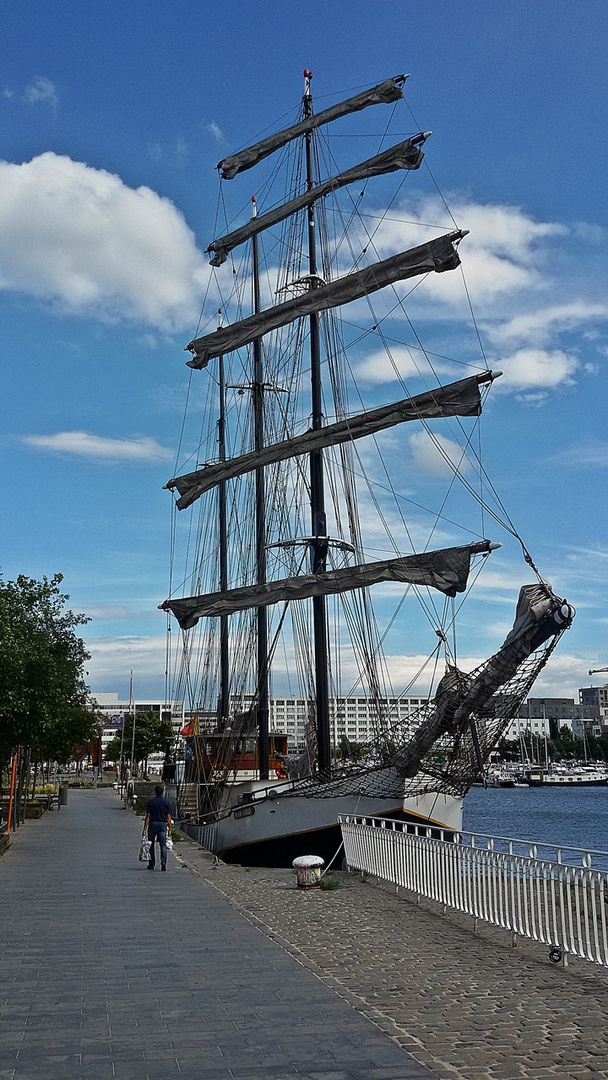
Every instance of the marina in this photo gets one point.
(550, 775)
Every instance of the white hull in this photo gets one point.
(273, 830)
(583, 778)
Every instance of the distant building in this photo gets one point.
(353, 717)
(595, 701)
(527, 725)
(356, 718)
(582, 728)
(555, 708)
(113, 712)
(545, 716)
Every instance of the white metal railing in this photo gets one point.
(549, 900)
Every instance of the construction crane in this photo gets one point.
(596, 671)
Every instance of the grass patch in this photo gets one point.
(328, 883)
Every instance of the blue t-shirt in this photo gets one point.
(158, 809)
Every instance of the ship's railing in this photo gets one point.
(561, 901)
(189, 800)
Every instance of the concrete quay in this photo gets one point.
(462, 1001)
(108, 970)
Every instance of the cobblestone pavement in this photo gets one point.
(462, 1001)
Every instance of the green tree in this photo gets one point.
(353, 750)
(151, 734)
(42, 688)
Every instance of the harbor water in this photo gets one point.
(562, 817)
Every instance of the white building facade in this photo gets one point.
(530, 725)
(113, 710)
(352, 717)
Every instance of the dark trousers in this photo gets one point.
(157, 830)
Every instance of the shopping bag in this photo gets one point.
(144, 849)
(169, 844)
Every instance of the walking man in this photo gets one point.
(158, 823)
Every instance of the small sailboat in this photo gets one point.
(300, 565)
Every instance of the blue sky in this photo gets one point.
(113, 117)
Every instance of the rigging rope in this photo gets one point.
(283, 351)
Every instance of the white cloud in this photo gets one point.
(535, 368)
(380, 367)
(113, 658)
(590, 452)
(177, 154)
(511, 264)
(500, 253)
(542, 325)
(432, 455)
(182, 149)
(503, 580)
(594, 552)
(590, 233)
(41, 90)
(213, 129)
(82, 444)
(106, 611)
(562, 676)
(82, 240)
(504, 231)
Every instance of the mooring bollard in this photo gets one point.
(308, 871)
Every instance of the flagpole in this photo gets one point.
(122, 757)
(132, 711)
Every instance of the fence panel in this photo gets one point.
(548, 900)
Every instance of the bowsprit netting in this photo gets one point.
(448, 741)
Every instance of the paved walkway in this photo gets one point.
(464, 1002)
(108, 970)
(212, 971)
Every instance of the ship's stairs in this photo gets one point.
(188, 802)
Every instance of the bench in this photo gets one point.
(48, 801)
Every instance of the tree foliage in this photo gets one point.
(354, 750)
(565, 747)
(42, 688)
(151, 734)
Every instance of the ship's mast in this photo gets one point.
(224, 702)
(260, 521)
(317, 502)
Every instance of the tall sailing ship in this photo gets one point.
(300, 565)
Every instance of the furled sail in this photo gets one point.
(383, 94)
(437, 255)
(540, 615)
(460, 398)
(405, 155)
(446, 570)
